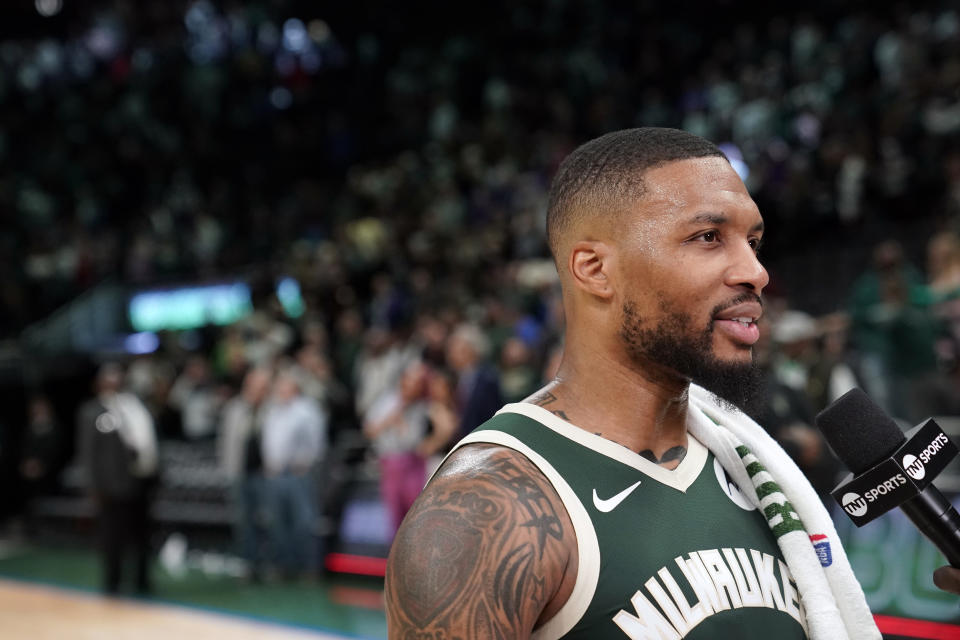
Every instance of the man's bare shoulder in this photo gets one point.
(487, 551)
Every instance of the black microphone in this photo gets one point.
(891, 469)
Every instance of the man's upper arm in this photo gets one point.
(481, 554)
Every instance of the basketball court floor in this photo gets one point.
(41, 612)
(53, 593)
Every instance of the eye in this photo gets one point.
(755, 244)
(709, 236)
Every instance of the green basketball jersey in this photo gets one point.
(663, 554)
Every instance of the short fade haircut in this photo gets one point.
(605, 174)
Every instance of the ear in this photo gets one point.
(590, 267)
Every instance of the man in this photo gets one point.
(591, 510)
(238, 449)
(478, 383)
(294, 440)
(118, 450)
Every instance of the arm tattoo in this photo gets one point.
(672, 454)
(525, 489)
(480, 552)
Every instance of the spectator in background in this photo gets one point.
(118, 450)
(317, 379)
(266, 333)
(443, 417)
(894, 332)
(783, 407)
(478, 384)
(151, 378)
(430, 336)
(238, 449)
(943, 267)
(834, 371)
(398, 425)
(41, 451)
(197, 398)
(41, 455)
(230, 355)
(294, 441)
(348, 343)
(378, 367)
(810, 357)
(794, 335)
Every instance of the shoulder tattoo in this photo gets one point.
(480, 554)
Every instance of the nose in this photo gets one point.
(745, 270)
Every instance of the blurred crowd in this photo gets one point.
(274, 393)
(399, 173)
(180, 140)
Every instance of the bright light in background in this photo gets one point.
(48, 8)
(735, 156)
(208, 32)
(199, 17)
(49, 57)
(295, 38)
(105, 38)
(189, 307)
(141, 343)
(288, 293)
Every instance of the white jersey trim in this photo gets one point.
(680, 478)
(588, 548)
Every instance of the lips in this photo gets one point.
(748, 312)
(739, 322)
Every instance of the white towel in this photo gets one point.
(832, 599)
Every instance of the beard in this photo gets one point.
(672, 345)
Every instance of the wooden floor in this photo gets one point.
(49, 613)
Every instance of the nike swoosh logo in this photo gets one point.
(608, 505)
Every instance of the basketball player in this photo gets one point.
(549, 520)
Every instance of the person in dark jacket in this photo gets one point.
(118, 448)
(478, 382)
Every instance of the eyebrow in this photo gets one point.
(719, 218)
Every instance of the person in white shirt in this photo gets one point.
(238, 450)
(405, 428)
(294, 441)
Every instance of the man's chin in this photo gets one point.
(736, 382)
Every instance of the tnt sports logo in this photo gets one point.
(854, 504)
(914, 467)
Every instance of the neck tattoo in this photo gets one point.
(673, 454)
(670, 458)
(546, 398)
